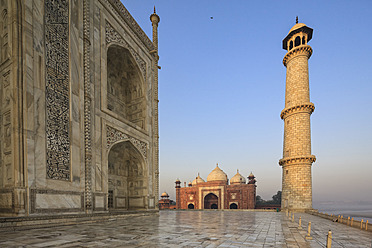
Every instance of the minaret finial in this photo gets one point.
(296, 19)
(154, 10)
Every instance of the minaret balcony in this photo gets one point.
(297, 160)
(299, 50)
(307, 107)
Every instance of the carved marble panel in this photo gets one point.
(113, 135)
(57, 89)
(113, 36)
(122, 13)
(4, 35)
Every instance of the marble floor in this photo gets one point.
(193, 229)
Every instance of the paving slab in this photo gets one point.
(193, 229)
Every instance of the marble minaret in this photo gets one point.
(297, 158)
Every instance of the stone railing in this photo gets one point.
(361, 224)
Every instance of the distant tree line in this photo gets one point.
(276, 199)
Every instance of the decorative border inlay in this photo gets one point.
(113, 36)
(57, 92)
(297, 160)
(302, 108)
(113, 135)
(124, 14)
(303, 49)
(87, 106)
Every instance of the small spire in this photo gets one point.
(237, 170)
(217, 164)
(296, 19)
(154, 10)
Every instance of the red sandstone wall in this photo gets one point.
(244, 195)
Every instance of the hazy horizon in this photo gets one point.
(222, 85)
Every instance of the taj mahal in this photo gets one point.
(79, 109)
(79, 130)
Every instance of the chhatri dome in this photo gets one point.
(297, 26)
(237, 179)
(298, 31)
(197, 180)
(165, 194)
(217, 175)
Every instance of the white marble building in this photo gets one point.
(79, 108)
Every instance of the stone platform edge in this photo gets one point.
(356, 223)
(44, 221)
(233, 210)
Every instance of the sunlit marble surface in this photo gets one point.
(193, 229)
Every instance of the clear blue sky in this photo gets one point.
(222, 85)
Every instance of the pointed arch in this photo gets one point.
(297, 41)
(125, 86)
(127, 177)
(211, 201)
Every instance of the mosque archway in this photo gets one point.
(211, 201)
(127, 180)
(233, 206)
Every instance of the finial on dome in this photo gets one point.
(154, 10)
(296, 18)
(237, 170)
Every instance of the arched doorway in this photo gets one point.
(125, 88)
(233, 206)
(127, 180)
(211, 201)
(190, 206)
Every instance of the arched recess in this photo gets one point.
(190, 206)
(127, 177)
(211, 201)
(125, 86)
(297, 41)
(291, 45)
(233, 206)
(303, 40)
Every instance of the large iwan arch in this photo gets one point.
(125, 86)
(211, 201)
(127, 177)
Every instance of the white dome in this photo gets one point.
(237, 179)
(197, 180)
(297, 26)
(217, 175)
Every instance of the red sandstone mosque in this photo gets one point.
(217, 193)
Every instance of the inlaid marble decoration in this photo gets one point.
(57, 89)
(114, 135)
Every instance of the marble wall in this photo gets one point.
(56, 125)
